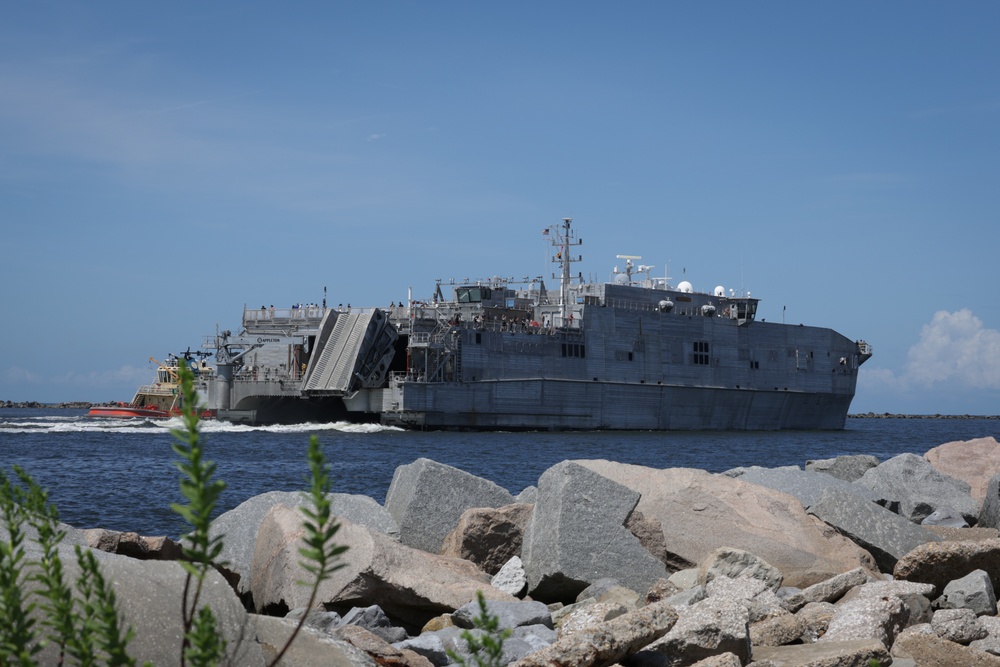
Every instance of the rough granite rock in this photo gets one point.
(733, 563)
(881, 618)
(957, 625)
(973, 591)
(849, 468)
(410, 585)
(709, 627)
(577, 535)
(240, 525)
(933, 651)
(830, 590)
(972, 461)
(608, 643)
(701, 512)
(311, 646)
(132, 545)
(510, 615)
(887, 536)
(941, 562)
(806, 485)
(990, 643)
(912, 484)
(777, 630)
(989, 513)
(382, 652)
(817, 617)
(511, 578)
(589, 616)
(855, 653)
(427, 498)
(148, 596)
(488, 537)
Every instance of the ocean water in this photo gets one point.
(121, 474)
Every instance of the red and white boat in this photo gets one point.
(162, 399)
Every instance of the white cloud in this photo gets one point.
(955, 347)
(375, 137)
(954, 350)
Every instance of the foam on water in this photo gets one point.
(83, 424)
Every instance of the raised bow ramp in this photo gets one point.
(354, 351)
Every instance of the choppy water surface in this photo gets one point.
(120, 474)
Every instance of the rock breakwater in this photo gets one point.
(838, 562)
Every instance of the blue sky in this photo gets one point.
(163, 165)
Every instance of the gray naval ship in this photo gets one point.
(632, 353)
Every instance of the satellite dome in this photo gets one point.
(719, 290)
(685, 286)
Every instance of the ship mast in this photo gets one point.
(563, 240)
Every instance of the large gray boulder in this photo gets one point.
(973, 591)
(911, 484)
(941, 562)
(408, 584)
(887, 536)
(700, 512)
(989, 513)
(240, 525)
(805, 485)
(427, 498)
(974, 462)
(849, 467)
(577, 535)
(149, 600)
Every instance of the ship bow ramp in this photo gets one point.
(353, 352)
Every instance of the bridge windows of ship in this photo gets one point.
(701, 353)
(575, 350)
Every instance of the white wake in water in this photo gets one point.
(50, 424)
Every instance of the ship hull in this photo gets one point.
(547, 404)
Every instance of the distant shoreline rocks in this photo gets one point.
(890, 415)
(68, 405)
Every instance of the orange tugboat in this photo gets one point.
(162, 399)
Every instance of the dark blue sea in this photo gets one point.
(121, 475)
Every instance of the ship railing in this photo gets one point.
(156, 390)
(264, 315)
(629, 304)
(267, 373)
(420, 338)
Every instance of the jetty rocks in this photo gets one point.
(838, 563)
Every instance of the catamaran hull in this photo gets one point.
(567, 405)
